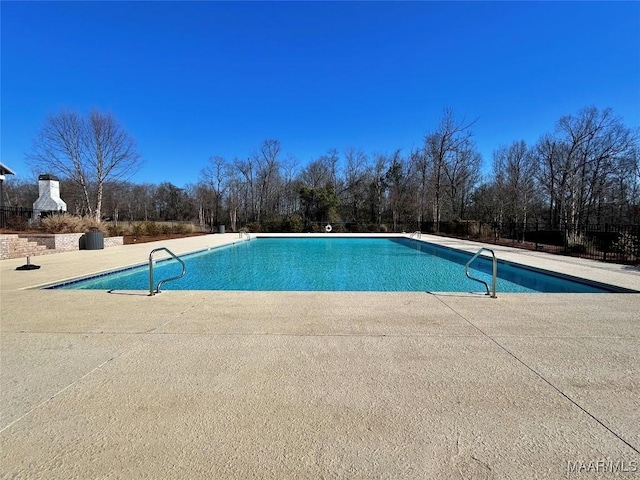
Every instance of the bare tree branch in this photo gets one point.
(90, 152)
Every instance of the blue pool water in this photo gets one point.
(334, 264)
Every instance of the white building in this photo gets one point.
(49, 199)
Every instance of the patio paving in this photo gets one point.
(316, 384)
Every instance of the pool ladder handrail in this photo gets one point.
(494, 275)
(152, 292)
(416, 234)
(242, 233)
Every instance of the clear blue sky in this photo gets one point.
(193, 79)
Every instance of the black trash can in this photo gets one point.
(94, 240)
(220, 228)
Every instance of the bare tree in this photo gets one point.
(244, 192)
(461, 175)
(212, 188)
(354, 193)
(597, 141)
(444, 149)
(234, 198)
(20, 193)
(421, 188)
(579, 162)
(268, 178)
(514, 172)
(332, 158)
(620, 201)
(397, 178)
(378, 187)
(90, 152)
(290, 187)
(549, 153)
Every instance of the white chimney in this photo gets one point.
(49, 199)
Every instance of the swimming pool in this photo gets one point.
(335, 264)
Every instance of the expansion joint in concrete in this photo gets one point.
(536, 373)
(59, 392)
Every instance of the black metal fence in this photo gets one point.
(15, 218)
(608, 242)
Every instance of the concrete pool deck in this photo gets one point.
(316, 384)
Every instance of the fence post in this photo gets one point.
(606, 241)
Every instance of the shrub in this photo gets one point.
(627, 244)
(88, 224)
(17, 223)
(115, 230)
(165, 229)
(151, 228)
(183, 228)
(293, 224)
(137, 228)
(60, 223)
(375, 228)
(254, 227)
(316, 228)
(66, 223)
(284, 225)
(577, 249)
(578, 243)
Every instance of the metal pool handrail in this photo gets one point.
(242, 233)
(152, 292)
(495, 271)
(417, 234)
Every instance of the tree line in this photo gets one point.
(586, 170)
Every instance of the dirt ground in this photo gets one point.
(131, 239)
(128, 239)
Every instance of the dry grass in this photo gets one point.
(66, 223)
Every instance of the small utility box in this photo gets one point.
(94, 240)
(220, 228)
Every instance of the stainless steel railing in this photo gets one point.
(494, 276)
(157, 289)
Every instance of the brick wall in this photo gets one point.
(113, 241)
(62, 242)
(16, 245)
(65, 242)
(4, 245)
